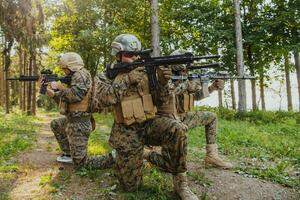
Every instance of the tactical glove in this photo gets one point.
(136, 75)
(217, 85)
(164, 75)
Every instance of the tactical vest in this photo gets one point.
(169, 107)
(81, 106)
(137, 105)
(185, 102)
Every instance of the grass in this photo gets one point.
(266, 147)
(258, 147)
(17, 133)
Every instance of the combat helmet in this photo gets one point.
(125, 43)
(71, 61)
(178, 67)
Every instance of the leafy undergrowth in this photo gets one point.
(263, 148)
(265, 145)
(17, 133)
(259, 147)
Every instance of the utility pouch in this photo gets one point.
(186, 102)
(149, 107)
(191, 103)
(127, 110)
(62, 107)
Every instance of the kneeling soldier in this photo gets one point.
(186, 93)
(72, 131)
(136, 123)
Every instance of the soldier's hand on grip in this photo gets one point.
(164, 75)
(136, 75)
(57, 86)
(218, 85)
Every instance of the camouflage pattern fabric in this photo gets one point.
(193, 86)
(72, 138)
(111, 92)
(206, 119)
(195, 119)
(72, 132)
(129, 141)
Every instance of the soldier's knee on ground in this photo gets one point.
(78, 162)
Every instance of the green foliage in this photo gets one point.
(265, 145)
(47, 103)
(269, 151)
(17, 134)
(199, 178)
(258, 117)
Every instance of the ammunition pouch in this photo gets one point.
(185, 103)
(81, 106)
(168, 108)
(134, 109)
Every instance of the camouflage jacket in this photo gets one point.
(191, 87)
(110, 93)
(81, 82)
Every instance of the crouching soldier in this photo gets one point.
(186, 93)
(73, 130)
(136, 122)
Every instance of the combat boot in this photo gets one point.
(146, 153)
(181, 187)
(212, 158)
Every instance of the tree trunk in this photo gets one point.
(1, 81)
(220, 96)
(297, 65)
(20, 72)
(24, 71)
(253, 81)
(262, 91)
(33, 108)
(29, 89)
(240, 65)
(253, 89)
(232, 94)
(288, 81)
(155, 31)
(7, 61)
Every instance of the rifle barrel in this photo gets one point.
(212, 65)
(207, 57)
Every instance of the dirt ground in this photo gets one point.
(38, 167)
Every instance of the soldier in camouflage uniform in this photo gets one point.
(136, 123)
(72, 131)
(188, 91)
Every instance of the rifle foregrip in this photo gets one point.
(43, 89)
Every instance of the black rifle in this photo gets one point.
(204, 78)
(151, 63)
(47, 76)
(204, 66)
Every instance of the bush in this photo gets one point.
(47, 103)
(258, 117)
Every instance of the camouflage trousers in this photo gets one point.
(129, 141)
(72, 137)
(207, 119)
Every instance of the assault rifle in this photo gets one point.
(151, 63)
(204, 78)
(47, 76)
